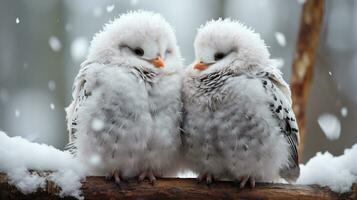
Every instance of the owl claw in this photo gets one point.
(149, 175)
(205, 177)
(116, 175)
(244, 179)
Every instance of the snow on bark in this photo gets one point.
(18, 156)
(337, 172)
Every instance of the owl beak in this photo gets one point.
(158, 62)
(200, 66)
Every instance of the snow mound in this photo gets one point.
(336, 172)
(330, 125)
(18, 156)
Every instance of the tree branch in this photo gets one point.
(304, 59)
(174, 188)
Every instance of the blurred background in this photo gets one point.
(42, 44)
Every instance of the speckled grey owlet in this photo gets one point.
(238, 118)
(124, 119)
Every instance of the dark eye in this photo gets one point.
(168, 51)
(139, 51)
(218, 56)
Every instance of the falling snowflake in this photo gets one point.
(330, 73)
(301, 1)
(263, 3)
(26, 65)
(134, 2)
(4, 95)
(110, 8)
(79, 48)
(68, 27)
(51, 85)
(344, 111)
(55, 43)
(97, 124)
(17, 20)
(52, 106)
(330, 125)
(17, 113)
(279, 62)
(280, 38)
(95, 160)
(97, 12)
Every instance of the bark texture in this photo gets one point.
(304, 60)
(174, 188)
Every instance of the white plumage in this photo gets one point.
(125, 115)
(238, 119)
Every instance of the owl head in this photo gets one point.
(137, 38)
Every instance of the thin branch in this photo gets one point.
(304, 60)
(174, 188)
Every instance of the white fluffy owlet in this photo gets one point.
(124, 120)
(238, 118)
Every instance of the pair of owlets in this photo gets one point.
(137, 112)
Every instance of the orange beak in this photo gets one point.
(200, 66)
(158, 62)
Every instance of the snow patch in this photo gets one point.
(336, 172)
(55, 43)
(330, 125)
(18, 156)
(79, 48)
(280, 38)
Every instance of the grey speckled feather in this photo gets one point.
(238, 117)
(237, 124)
(124, 120)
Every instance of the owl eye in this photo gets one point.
(218, 56)
(168, 51)
(139, 51)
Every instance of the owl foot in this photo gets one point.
(147, 175)
(116, 175)
(207, 177)
(244, 179)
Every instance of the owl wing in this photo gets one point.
(80, 93)
(279, 102)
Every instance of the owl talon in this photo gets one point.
(243, 181)
(117, 178)
(147, 175)
(116, 175)
(208, 178)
